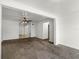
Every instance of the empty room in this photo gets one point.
(39, 29)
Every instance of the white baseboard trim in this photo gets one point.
(68, 46)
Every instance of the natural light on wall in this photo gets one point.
(45, 30)
(57, 41)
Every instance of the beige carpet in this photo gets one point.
(36, 49)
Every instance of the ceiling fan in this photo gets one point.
(25, 19)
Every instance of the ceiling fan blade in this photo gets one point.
(29, 20)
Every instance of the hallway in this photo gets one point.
(34, 48)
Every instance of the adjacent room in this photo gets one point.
(20, 26)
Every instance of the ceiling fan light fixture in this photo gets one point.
(25, 19)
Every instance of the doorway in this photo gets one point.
(46, 30)
(49, 30)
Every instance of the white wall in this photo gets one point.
(33, 32)
(10, 29)
(0, 28)
(68, 24)
(41, 31)
(45, 30)
(0, 19)
(51, 30)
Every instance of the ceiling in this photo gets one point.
(48, 6)
(15, 14)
